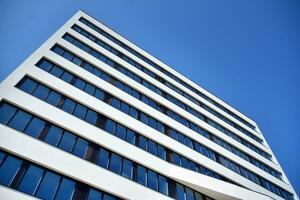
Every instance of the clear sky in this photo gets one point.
(245, 52)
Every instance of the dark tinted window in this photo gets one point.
(9, 170)
(65, 190)
(141, 175)
(35, 127)
(48, 186)
(67, 141)
(127, 168)
(6, 112)
(31, 179)
(53, 136)
(115, 163)
(152, 180)
(20, 120)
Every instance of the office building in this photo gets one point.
(90, 115)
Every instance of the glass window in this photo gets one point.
(161, 152)
(58, 50)
(141, 175)
(67, 141)
(92, 152)
(121, 132)
(31, 179)
(181, 138)
(41, 92)
(127, 168)
(163, 185)
(103, 158)
(53, 98)
(44, 64)
(152, 148)
(152, 180)
(130, 137)
(28, 85)
(48, 186)
(173, 134)
(152, 122)
(80, 192)
(202, 170)
(35, 127)
(2, 155)
(110, 126)
(99, 94)
(56, 71)
(101, 120)
(53, 136)
(65, 190)
(80, 111)
(67, 55)
(115, 103)
(94, 195)
(125, 108)
(79, 83)
(91, 117)
(180, 192)
(176, 159)
(20, 120)
(160, 127)
(77, 61)
(90, 89)
(133, 112)
(115, 163)
(67, 77)
(198, 196)
(143, 142)
(80, 147)
(108, 197)
(144, 118)
(88, 67)
(6, 112)
(9, 169)
(68, 105)
(189, 194)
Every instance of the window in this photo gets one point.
(141, 175)
(103, 158)
(80, 147)
(127, 168)
(9, 169)
(189, 194)
(94, 195)
(44, 64)
(80, 111)
(79, 83)
(35, 127)
(67, 141)
(92, 152)
(68, 105)
(31, 179)
(125, 107)
(144, 118)
(53, 136)
(20, 120)
(99, 94)
(152, 148)
(108, 197)
(90, 89)
(115, 163)
(91, 117)
(48, 186)
(152, 180)
(142, 142)
(53, 98)
(80, 192)
(163, 185)
(58, 50)
(121, 132)
(6, 112)
(115, 103)
(67, 77)
(180, 192)
(133, 112)
(27, 85)
(152, 122)
(56, 71)
(110, 126)
(65, 190)
(184, 162)
(176, 159)
(130, 137)
(161, 152)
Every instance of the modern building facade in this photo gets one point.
(89, 115)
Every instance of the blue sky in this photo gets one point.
(245, 52)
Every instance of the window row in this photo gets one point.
(105, 34)
(137, 114)
(128, 73)
(98, 120)
(46, 65)
(40, 182)
(69, 142)
(160, 79)
(70, 106)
